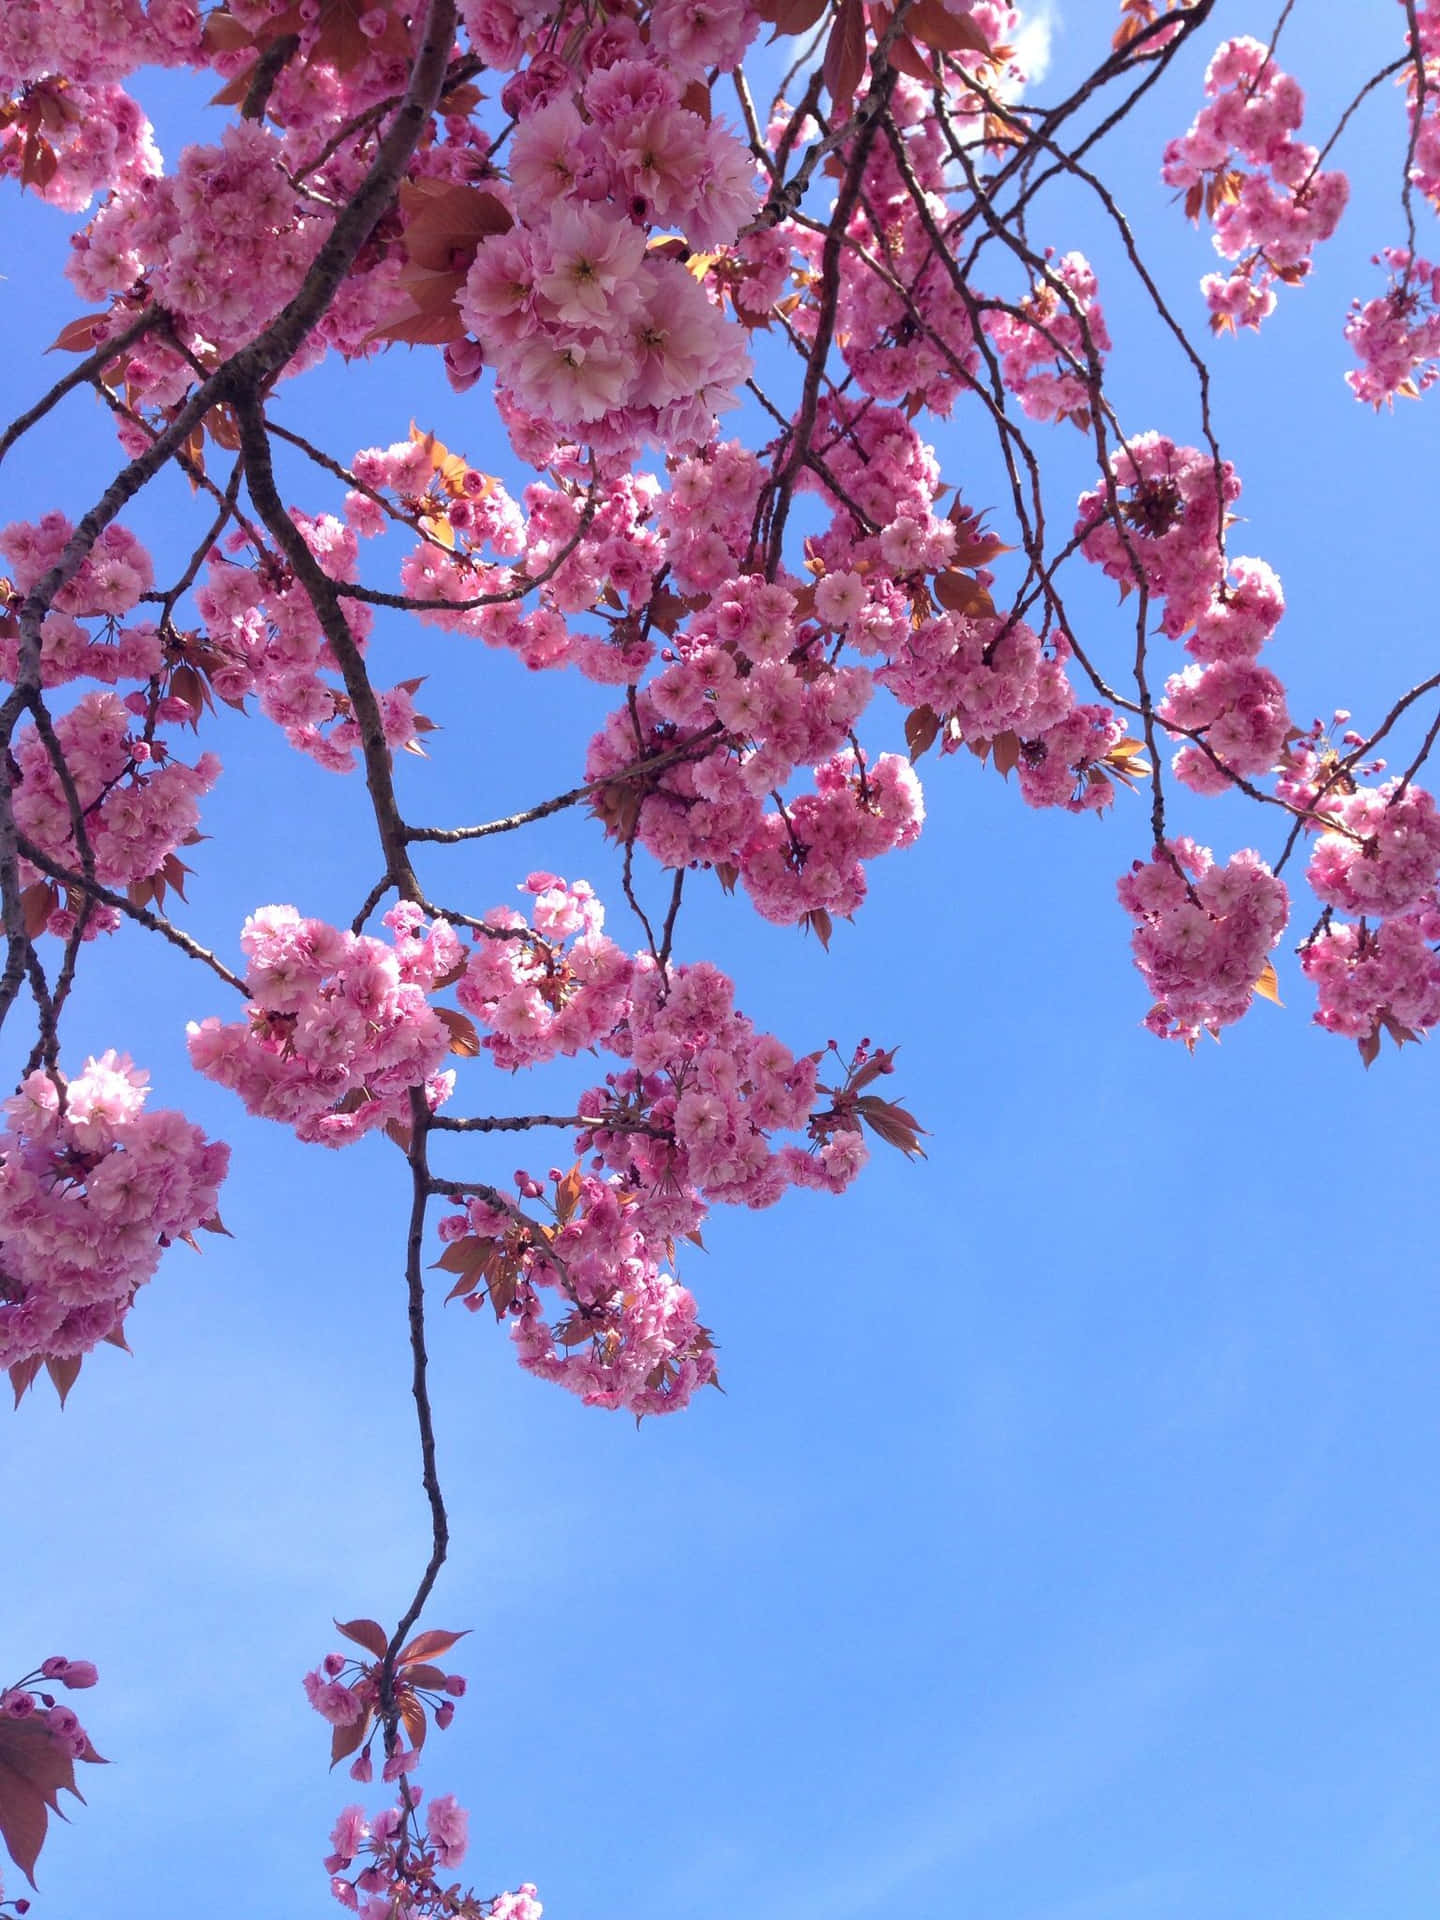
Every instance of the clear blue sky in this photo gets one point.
(1064, 1546)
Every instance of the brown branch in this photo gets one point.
(320, 590)
(79, 375)
(120, 903)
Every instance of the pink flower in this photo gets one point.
(448, 1827)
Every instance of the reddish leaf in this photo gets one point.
(22, 1375)
(963, 593)
(366, 1633)
(413, 1715)
(465, 1256)
(443, 220)
(463, 99)
(79, 336)
(63, 1374)
(791, 16)
(905, 57)
(567, 1194)
(416, 329)
(424, 1676)
(39, 162)
(39, 902)
(978, 550)
(921, 727)
(929, 21)
(431, 1644)
(818, 922)
(696, 98)
(344, 1740)
(1006, 749)
(844, 63)
(224, 33)
(33, 1769)
(233, 93)
(879, 1063)
(464, 1039)
(895, 1126)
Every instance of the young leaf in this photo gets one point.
(1268, 985)
(344, 1740)
(895, 1126)
(366, 1633)
(921, 728)
(431, 1644)
(33, 1769)
(844, 63)
(464, 1039)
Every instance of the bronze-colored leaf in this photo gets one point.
(922, 725)
(791, 16)
(818, 922)
(443, 220)
(416, 329)
(431, 1644)
(344, 1740)
(63, 1372)
(424, 1675)
(844, 64)
(412, 1713)
(368, 1634)
(1268, 984)
(79, 336)
(39, 902)
(895, 1126)
(962, 593)
(33, 1769)
(928, 21)
(567, 1194)
(22, 1376)
(1005, 748)
(464, 1038)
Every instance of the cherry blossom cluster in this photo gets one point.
(92, 1189)
(1051, 346)
(1203, 935)
(107, 587)
(386, 1864)
(579, 544)
(1396, 336)
(138, 803)
(350, 1695)
(1425, 160)
(339, 1027)
(1166, 530)
(1268, 220)
(383, 1866)
(1169, 504)
(263, 636)
(66, 129)
(1377, 857)
(687, 1123)
(588, 326)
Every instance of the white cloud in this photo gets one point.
(1032, 42)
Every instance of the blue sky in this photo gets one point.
(1063, 1547)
